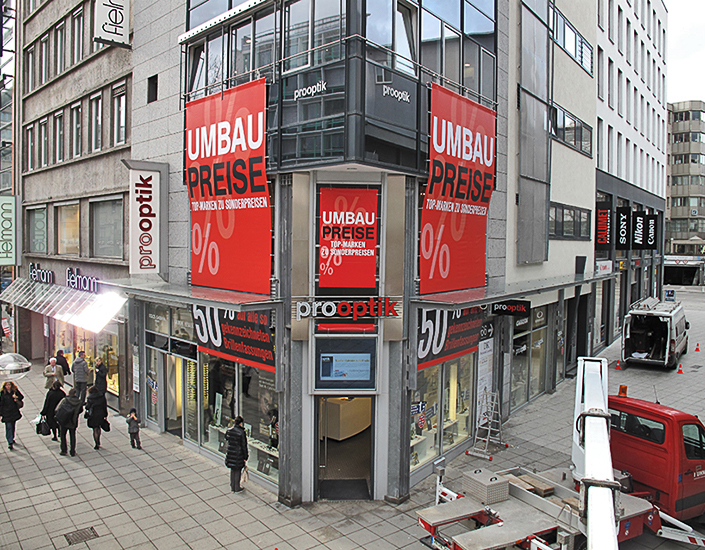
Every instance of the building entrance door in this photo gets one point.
(345, 448)
(173, 378)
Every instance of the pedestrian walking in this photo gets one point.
(80, 375)
(53, 372)
(101, 376)
(52, 399)
(62, 362)
(66, 415)
(11, 401)
(237, 454)
(96, 413)
(133, 428)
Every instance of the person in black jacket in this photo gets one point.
(76, 406)
(96, 413)
(61, 360)
(10, 397)
(237, 454)
(52, 399)
(101, 376)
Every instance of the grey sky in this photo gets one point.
(685, 46)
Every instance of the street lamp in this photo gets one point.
(14, 366)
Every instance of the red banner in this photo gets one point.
(460, 183)
(231, 224)
(348, 226)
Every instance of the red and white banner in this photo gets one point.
(348, 227)
(460, 183)
(231, 224)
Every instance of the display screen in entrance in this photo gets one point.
(345, 366)
(345, 363)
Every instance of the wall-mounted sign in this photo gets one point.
(516, 308)
(603, 226)
(348, 227)
(309, 91)
(145, 221)
(651, 231)
(75, 280)
(231, 219)
(8, 230)
(639, 230)
(624, 228)
(363, 308)
(111, 22)
(444, 335)
(603, 267)
(242, 336)
(36, 273)
(460, 183)
(670, 295)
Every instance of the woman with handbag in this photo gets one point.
(11, 401)
(237, 454)
(96, 413)
(52, 399)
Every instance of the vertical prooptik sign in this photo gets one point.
(460, 183)
(145, 221)
(8, 230)
(624, 228)
(231, 225)
(603, 226)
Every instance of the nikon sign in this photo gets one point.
(8, 231)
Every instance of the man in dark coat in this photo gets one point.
(76, 405)
(96, 413)
(52, 399)
(80, 375)
(101, 376)
(237, 454)
(63, 362)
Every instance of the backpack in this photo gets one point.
(64, 413)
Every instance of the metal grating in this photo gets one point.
(82, 535)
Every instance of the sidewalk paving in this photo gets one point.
(167, 497)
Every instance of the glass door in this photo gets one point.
(173, 378)
(191, 384)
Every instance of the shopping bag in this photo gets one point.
(244, 476)
(105, 425)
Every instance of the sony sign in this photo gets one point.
(8, 231)
(145, 219)
(112, 22)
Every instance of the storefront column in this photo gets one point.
(398, 448)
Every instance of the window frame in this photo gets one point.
(76, 130)
(95, 114)
(92, 205)
(44, 59)
(119, 113)
(77, 36)
(60, 47)
(43, 142)
(59, 227)
(28, 240)
(58, 129)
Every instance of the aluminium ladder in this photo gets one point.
(489, 426)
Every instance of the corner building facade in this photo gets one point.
(335, 338)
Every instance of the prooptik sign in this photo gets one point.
(344, 309)
(145, 219)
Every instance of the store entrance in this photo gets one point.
(345, 448)
(173, 396)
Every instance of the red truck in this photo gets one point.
(663, 449)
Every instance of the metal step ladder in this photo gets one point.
(489, 426)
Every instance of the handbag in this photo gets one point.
(44, 426)
(105, 426)
(19, 402)
(244, 476)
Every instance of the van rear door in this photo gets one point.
(625, 337)
(690, 501)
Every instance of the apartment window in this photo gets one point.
(67, 229)
(107, 228)
(610, 84)
(37, 230)
(297, 21)
(570, 130)
(43, 143)
(628, 41)
(568, 222)
(60, 48)
(568, 38)
(76, 130)
(600, 73)
(620, 30)
(627, 159)
(30, 69)
(30, 148)
(628, 97)
(152, 88)
(96, 114)
(58, 137)
(600, 144)
(610, 20)
(620, 92)
(620, 155)
(77, 36)
(610, 150)
(44, 59)
(119, 114)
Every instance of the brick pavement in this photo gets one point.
(170, 498)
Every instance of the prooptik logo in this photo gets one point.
(399, 95)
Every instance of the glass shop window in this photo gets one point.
(424, 417)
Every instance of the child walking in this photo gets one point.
(133, 428)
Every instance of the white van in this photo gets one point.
(655, 333)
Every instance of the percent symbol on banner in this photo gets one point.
(438, 251)
(205, 248)
(336, 259)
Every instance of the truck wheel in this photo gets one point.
(580, 542)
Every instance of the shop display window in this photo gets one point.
(457, 401)
(424, 417)
(530, 356)
(191, 418)
(219, 403)
(84, 342)
(154, 358)
(63, 339)
(157, 318)
(107, 349)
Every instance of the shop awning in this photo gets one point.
(473, 297)
(76, 307)
(160, 291)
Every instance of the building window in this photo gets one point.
(610, 84)
(58, 137)
(37, 230)
(76, 131)
(119, 114)
(60, 47)
(152, 88)
(30, 148)
(67, 229)
(107, 228)
(77, 36)
(30, 69)
(600, 73)
(297, 19)
(43, 143)
(44, 59)
(568, 222)
(96, 112)
(570, 130)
